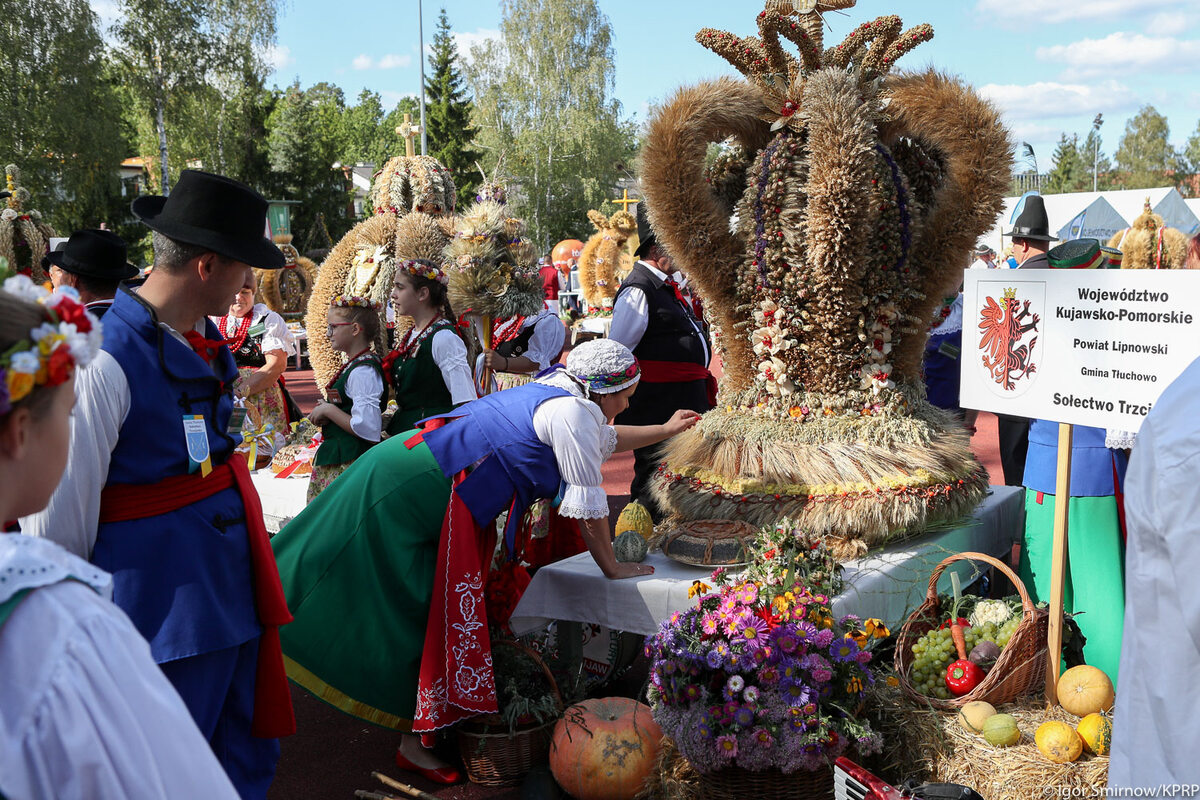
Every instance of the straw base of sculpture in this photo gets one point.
(859, 482)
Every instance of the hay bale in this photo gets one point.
(932, 745)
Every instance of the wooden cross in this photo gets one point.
(625, 202)
(409, 132)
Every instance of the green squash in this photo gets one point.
(630, 546)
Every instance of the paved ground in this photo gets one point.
(334, 754)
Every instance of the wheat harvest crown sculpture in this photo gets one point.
(856, 196)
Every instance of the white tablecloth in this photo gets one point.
(282, 498)
(886, 584)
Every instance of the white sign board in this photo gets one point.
(1085, 346)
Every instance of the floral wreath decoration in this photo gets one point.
(428, 271)
(355, 301)
(69, 337)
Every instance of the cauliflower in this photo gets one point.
(996, 612)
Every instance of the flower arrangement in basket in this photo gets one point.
(934, 668)
(759, 675)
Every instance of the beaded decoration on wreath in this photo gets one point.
(69, 337)
(853, 191)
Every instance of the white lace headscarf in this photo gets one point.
(601, 366)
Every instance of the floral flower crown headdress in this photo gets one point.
(70, 336)
(355, 301)
(429, 271)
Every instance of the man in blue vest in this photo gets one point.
(652, 318)
(153, 493)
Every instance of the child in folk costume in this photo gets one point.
(351, 419)
(84, 710)
(261, 345)
(428, 368)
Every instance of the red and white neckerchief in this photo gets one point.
(237, 338)
(408, 348)
(505, 329)
(344, 367)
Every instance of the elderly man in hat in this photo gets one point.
(985, 258)
(93, 262)
(653, 318)
(1030, 240)
(153, 492)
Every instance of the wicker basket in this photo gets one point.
(1021, 667)
(495, 756)
(767, 784)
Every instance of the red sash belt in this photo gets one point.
(677, 372)
(273, 715)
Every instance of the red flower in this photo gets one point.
(74, 313)
(60, 365)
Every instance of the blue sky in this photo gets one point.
(1051, 65)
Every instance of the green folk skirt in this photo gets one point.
(1095, 580)
(358, 568)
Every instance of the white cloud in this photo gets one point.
(1171, 21)
(464, 41)
(1038, 101)
(1016, 13)
(362, 61)
(1123, 53)
(279, 57)
(391, 61)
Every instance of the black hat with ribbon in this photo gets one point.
(1033, 222)
(646, 238)
(214, 212)
(94, 254)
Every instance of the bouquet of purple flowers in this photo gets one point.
(759, 675)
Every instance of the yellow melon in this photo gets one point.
(635, 517)
(973, 715)
(1058, 741)
(1085, 690)
(1096, 732)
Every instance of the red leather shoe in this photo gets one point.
(444, 775)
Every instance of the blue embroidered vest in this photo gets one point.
(514, 467)
(183, 577)
(1091, 462)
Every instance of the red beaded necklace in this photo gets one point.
(238, 338)
(343, 368)
(505, 329)
(408, 348)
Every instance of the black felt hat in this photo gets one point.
(212, 211)
(1033, 222)
(94, 254)
(646, 238)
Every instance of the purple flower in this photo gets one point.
(727, 746)
(823, 638)
(845, 650)
(705, 730)
(763, 737)
(794, 692)
(751, 694)
(805, 630)
(822, 675)
(744, 716)
(692, 692)
(754, 633)
(714, 659)
(862, 657)
(768, 675)
(787, 642)
(667, 667)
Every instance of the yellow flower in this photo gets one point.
(854, 686)
(19, 385)
(780, 604)
(698, 588)
(859, 637)
(893, 681)
(875, 627)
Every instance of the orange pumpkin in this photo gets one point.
(603, 749)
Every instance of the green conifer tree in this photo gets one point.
(448, 114)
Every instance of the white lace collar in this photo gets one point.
(27, 562)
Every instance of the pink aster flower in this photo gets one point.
(727, 746)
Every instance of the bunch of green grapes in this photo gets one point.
(1007, 630)
(932, 655)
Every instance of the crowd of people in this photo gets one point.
(149, 626)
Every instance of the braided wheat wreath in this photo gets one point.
(414, 217)
(860, 192)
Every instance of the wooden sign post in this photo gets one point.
(1058, 560)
